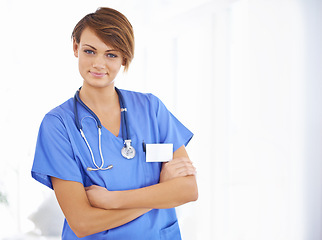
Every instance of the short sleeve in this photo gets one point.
(171, 130)
(54, 155)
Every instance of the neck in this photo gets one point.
(101, 99)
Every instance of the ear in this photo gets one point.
(75, 48)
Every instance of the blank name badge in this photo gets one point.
(159, 152)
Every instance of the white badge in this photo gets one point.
(159, 152)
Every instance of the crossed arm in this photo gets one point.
(96, 209)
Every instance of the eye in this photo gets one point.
(89, 51)
(111, 55)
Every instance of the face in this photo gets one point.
(98, 63)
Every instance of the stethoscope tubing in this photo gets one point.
(124, 122)
(78, 124)
(126, 135)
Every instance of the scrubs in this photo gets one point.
(61, 152)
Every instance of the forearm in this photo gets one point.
(177, 186)
(168, 194)
(85, 219)
(96, 220)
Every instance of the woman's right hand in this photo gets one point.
(177, 167)
(100, 197)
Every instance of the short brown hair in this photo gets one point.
(113, 28)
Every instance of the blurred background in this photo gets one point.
(243, 75)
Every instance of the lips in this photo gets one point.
(97, 75)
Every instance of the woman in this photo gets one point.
(103, 191)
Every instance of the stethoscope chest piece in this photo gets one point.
(128, 151)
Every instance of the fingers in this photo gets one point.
(181, 167)
(186, 171)
(183, 164)
(179, 162)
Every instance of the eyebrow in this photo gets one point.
(96, 49)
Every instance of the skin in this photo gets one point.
(177, 185)
(96, 209)
(98, 65)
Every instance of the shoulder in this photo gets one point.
(138, 95)
(146, 99)
(61, 110)
(147, 102)
(59, 114)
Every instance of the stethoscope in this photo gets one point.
(127, 151)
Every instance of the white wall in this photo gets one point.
(243, 75)
(313, 117)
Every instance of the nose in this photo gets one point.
(99, 62)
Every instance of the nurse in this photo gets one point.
(103, 192)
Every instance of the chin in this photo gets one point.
(99, 84)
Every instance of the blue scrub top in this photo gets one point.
(61, 152)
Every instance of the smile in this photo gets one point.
(98, 75)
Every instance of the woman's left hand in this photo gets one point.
(100, 197)
(178, 167)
